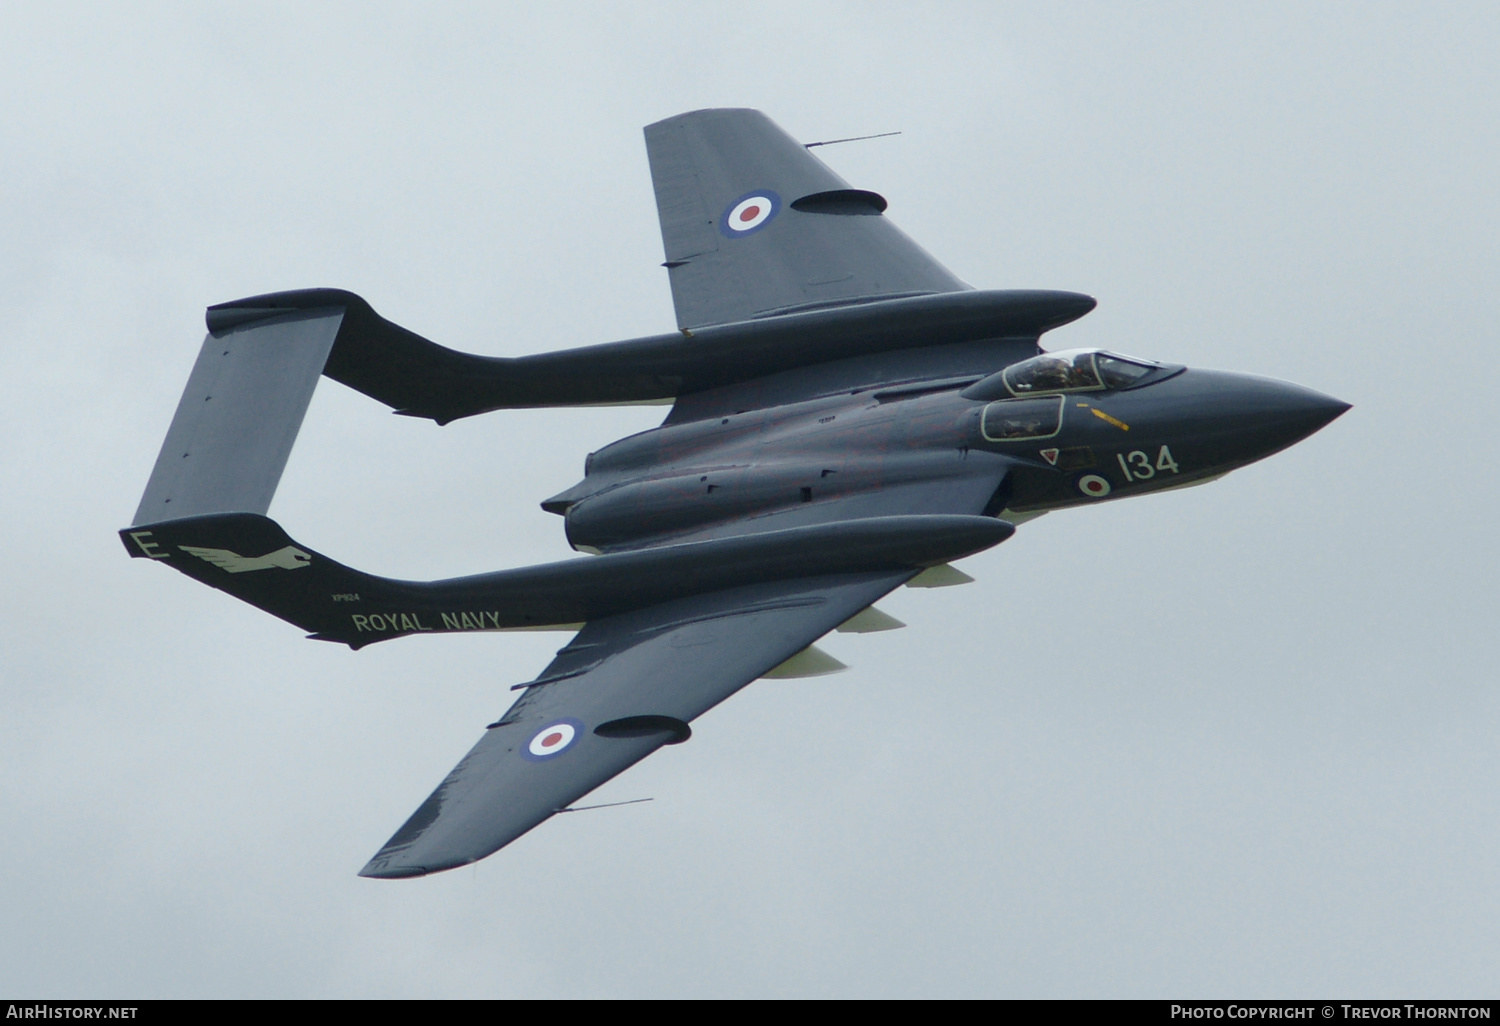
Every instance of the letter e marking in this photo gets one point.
(139, 537)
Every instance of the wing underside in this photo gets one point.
(625, 686)
(754, 225)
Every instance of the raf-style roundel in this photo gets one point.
(553, 739)
(1094, 486)
(750, 213)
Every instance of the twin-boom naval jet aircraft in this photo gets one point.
(847, 417)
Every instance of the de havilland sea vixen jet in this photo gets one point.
(847, 417)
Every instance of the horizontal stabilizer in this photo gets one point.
(252, 558)
(239, 415)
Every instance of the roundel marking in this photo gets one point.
(750, 213)
(551, 740)
(1094, 486)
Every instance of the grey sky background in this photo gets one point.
(1233, 740)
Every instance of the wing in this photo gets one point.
(754, 225)
(625, 686)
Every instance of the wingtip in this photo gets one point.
(375, 869)
(388, 865)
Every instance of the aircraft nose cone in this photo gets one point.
(1292, 405)
(1254, 417)
(1303, 408)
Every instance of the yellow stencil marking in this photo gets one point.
(1106, 417)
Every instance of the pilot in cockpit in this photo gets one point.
(1074, 370)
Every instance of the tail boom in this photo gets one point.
(252, 558)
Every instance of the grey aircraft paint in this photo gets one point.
(847, 416)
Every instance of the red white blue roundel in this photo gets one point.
(553, 739)
(750, 213)
(1094, 486)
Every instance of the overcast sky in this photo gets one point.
(1237, 740)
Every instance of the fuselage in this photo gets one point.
(992, 447)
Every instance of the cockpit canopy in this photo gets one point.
(1075, 370)
(1068, 370)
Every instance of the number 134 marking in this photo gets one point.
(1139, 466)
